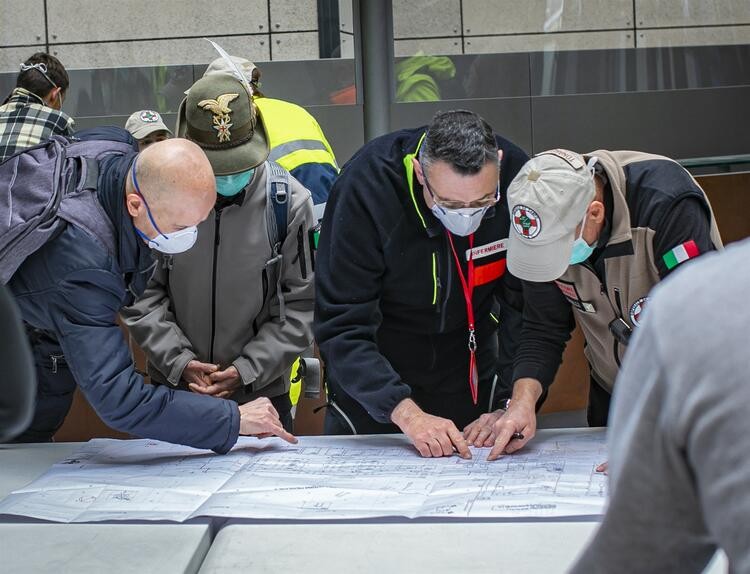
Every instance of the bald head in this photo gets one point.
(177, 181)
(175, 170)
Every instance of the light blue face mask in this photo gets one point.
(581, 249)
(230, 185)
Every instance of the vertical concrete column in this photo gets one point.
(373, 41)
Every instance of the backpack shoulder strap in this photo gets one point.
(277, 204)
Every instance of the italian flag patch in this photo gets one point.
(681, 253)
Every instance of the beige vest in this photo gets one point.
(630, 274)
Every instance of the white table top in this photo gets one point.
(33, 547)
(527, 547)
(108, 548)
(22, 463)
(385, 546)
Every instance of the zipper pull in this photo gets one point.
(439, 295)
(54, 362)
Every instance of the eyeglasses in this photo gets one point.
(486, 201)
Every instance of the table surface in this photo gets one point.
(365, 547)
(31, 546)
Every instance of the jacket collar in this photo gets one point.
(133, 255)
(619, 240)
(25, 97)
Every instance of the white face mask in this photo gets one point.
(173, 243)
(463, 222)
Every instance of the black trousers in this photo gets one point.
(55, 388)
(345, 415)
(597, 413)
(283, 405)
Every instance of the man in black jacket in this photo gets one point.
(410, 263)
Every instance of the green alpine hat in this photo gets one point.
(218, 115)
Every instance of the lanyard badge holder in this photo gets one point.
(467, 283)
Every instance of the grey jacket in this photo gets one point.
(219, 302)
(679, 452)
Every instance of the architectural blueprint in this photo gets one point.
(321, 478)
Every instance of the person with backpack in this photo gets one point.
(33, 111)
(228, 318)
(78, 221)
(295, 139)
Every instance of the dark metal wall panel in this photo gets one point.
(306, 83)
(83, 122)
(647, 69)
(509, 117)
(675, 123)
(343, 127)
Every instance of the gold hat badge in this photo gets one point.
(221, 111)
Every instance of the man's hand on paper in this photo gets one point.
(603, 467)
(220, 383)
(259, 418)
(519, 418)
(196, 374)
(480, 432)
(432, 436)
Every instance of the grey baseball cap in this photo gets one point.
(547, 200)
(145, 122)
(221, 66)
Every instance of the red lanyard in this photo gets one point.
(468, 287)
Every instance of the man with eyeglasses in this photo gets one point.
(33, 111)
(410, 264)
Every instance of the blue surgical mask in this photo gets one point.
(230, 185)
(581, 249)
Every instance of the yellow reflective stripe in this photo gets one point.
(434, 278)
(295, 159)
(410, 180)
(495, 319)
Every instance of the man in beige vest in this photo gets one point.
(592, 234)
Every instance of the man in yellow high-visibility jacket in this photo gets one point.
(296, 140)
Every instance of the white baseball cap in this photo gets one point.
(547, 200)
(145, 122)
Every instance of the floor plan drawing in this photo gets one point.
(321, 478)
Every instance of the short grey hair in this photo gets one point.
(460, 138)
